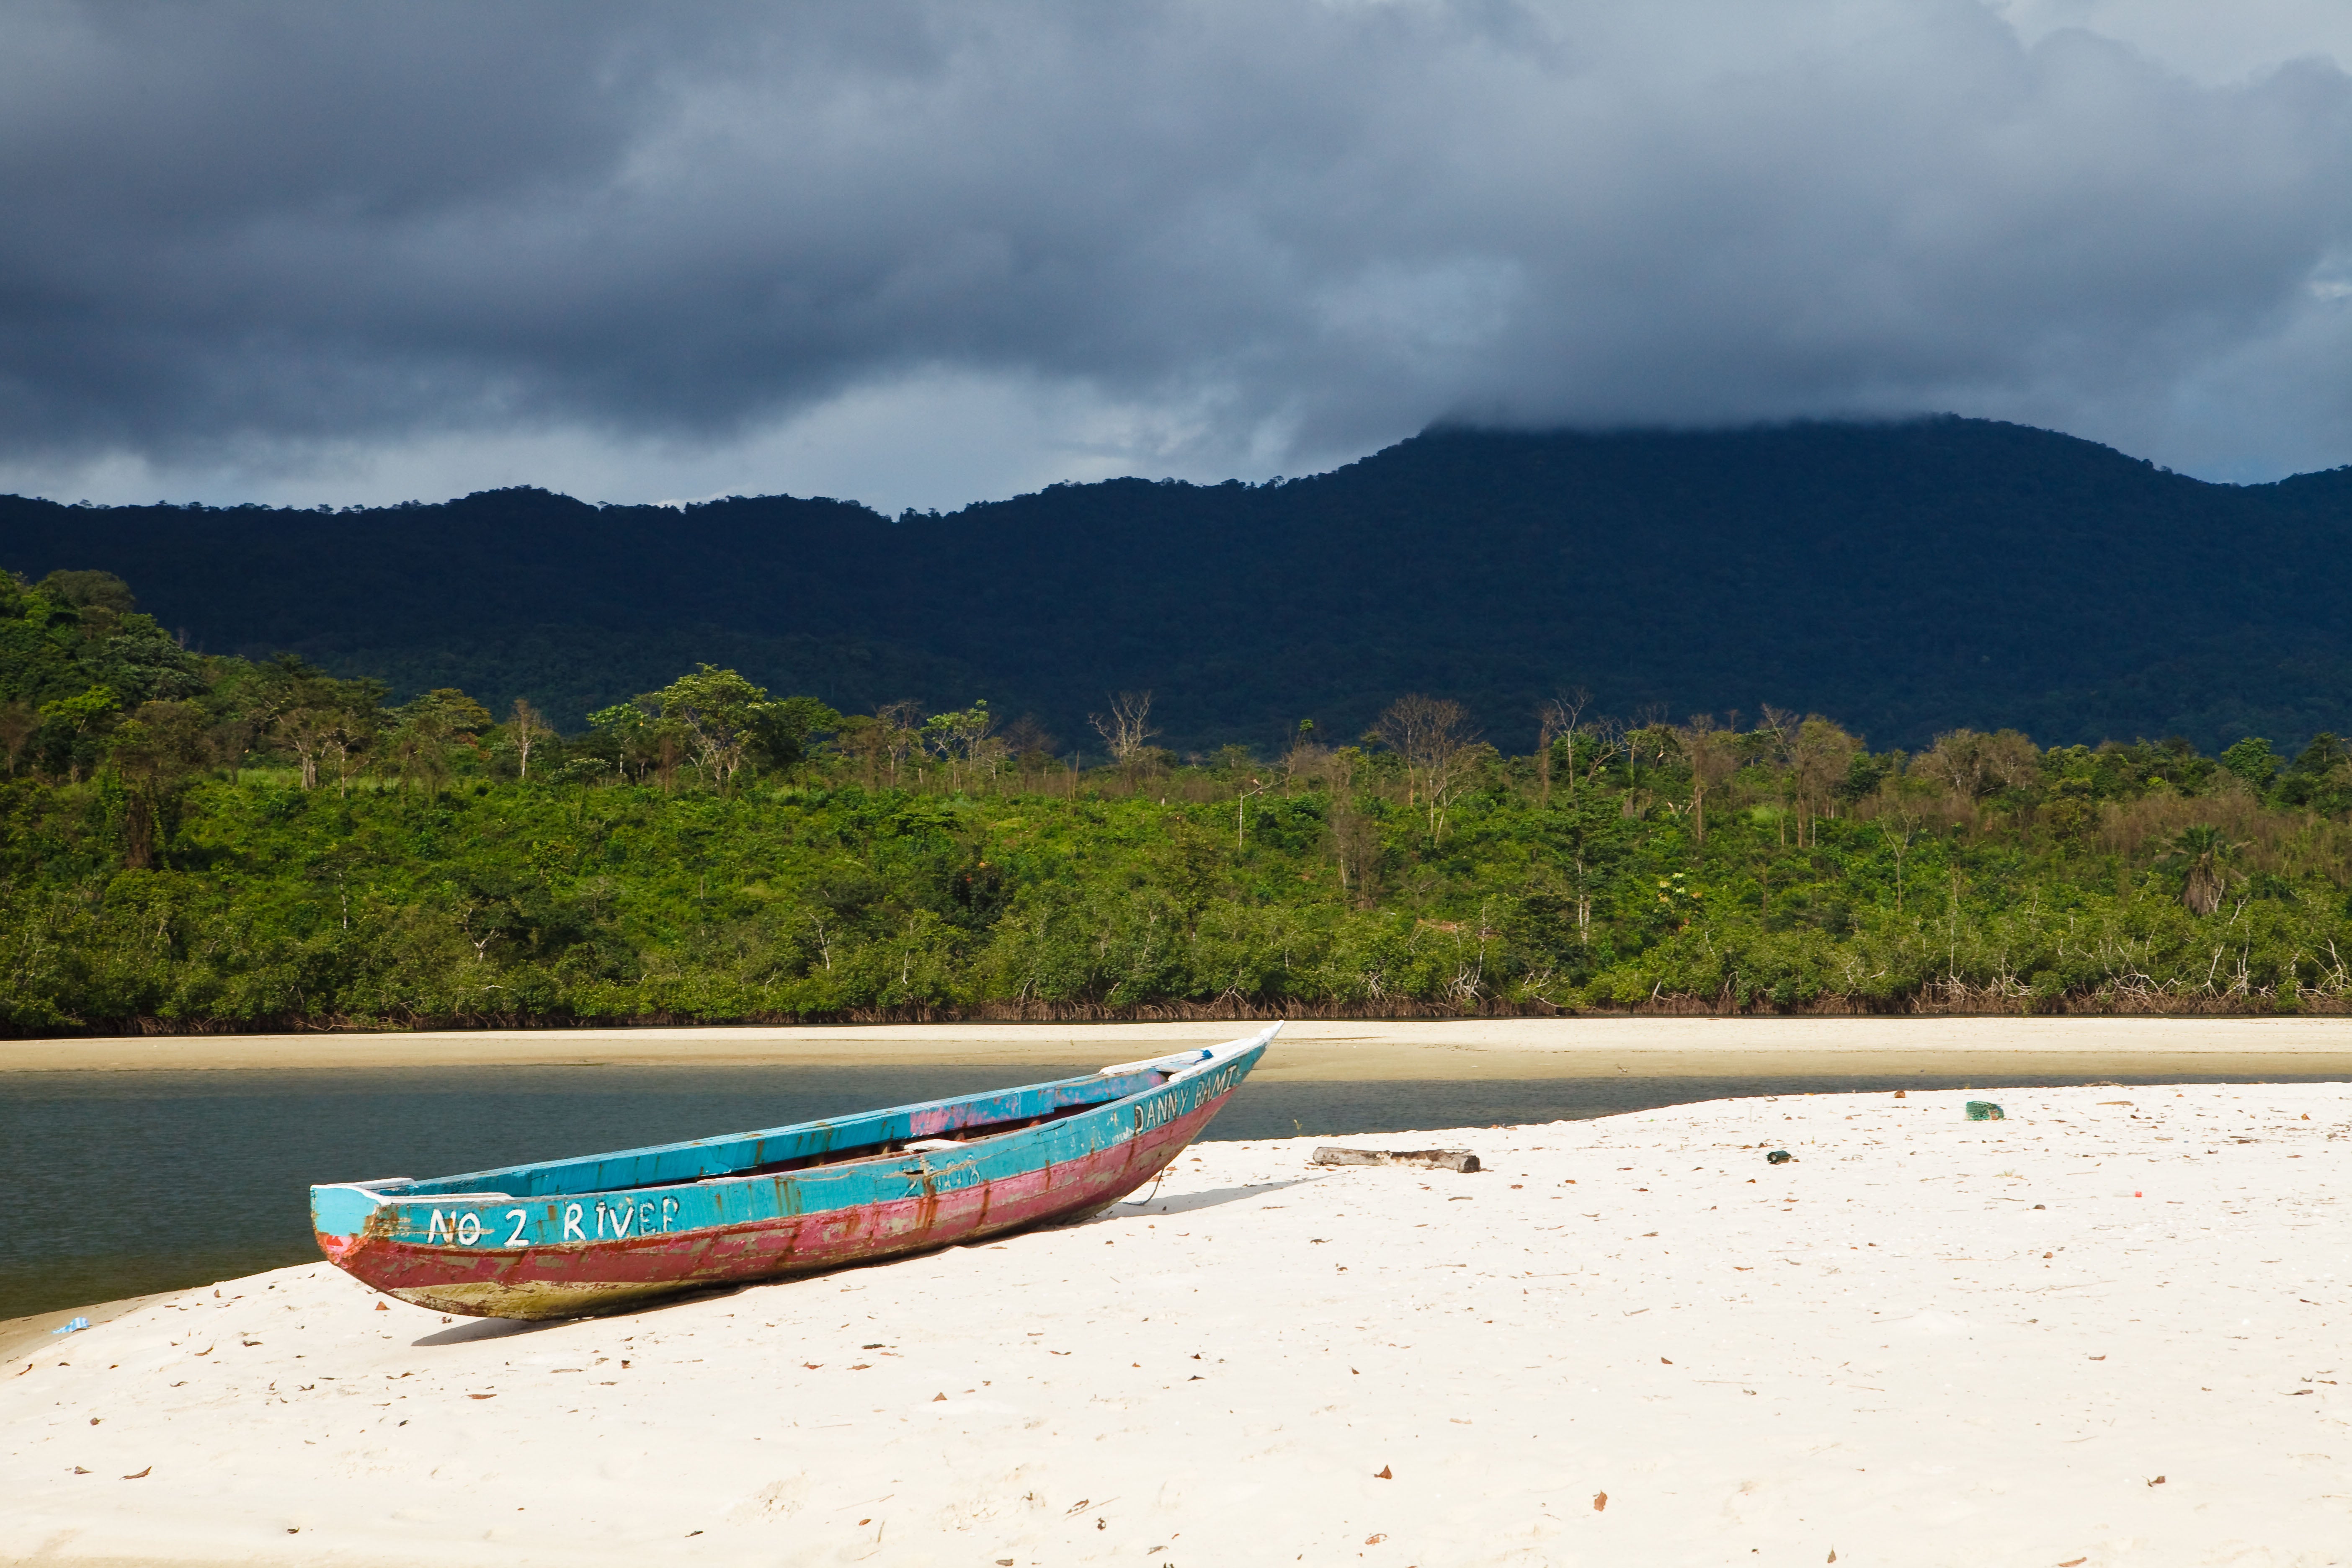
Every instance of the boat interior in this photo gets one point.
(802, 1146)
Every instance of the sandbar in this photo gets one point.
(1313, 1050)
(2102, 1330)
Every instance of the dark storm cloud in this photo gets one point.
(304, 224)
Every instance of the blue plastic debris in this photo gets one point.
(69, 1328)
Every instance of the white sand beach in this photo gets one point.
(2109, 1330)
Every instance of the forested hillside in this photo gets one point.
(196, 841)
(1907, 577)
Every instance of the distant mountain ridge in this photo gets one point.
(1904, 577)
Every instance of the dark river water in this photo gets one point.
(120, 1183)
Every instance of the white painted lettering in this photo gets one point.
(519, 1216)
(669, 1212)
(571, 1231)
(469, 1229)
(621, 1215)
(437, 1228)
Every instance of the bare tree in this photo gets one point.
(1440, 748)
(1554, 719)
(1410, 728)
(1125, 729)
(526, 726)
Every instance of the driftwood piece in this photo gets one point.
(1424, 1159)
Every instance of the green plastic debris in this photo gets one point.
(1986, 1110)
(1780, 1157)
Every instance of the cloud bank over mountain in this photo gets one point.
(924, 252)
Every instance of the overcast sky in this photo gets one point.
(921, 254)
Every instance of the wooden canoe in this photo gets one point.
(574, 1237)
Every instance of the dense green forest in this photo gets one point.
(1908, 577)
(193, 841)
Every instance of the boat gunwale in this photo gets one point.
(1147, 1076)
(386, 1190)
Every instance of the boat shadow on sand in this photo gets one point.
(474, 1330)
(1185, 1202)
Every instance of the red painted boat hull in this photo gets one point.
(574, 1279)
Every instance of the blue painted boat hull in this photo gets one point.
(569, 1238)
